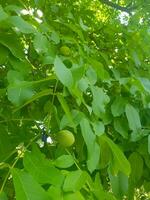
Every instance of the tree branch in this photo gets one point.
(118, 7)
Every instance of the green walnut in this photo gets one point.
(64, 50)
(65, 138)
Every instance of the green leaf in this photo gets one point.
(21, 25)
(6, 146)
(3, 196)
(55, 193)
(41, 169)
(3, 14)
(66, 108)
(4, 52)
(74, 181)
(64, 161)
(83, 84)
(14, 76)
(26, 187)
(63, 73)
(120, 160)
(98, 188)
(76, 115)
(146, 84)
(119, 184)
(19, 92)
(139, 134)
(136, 163)
(149, 144)
(22, 66)
(91, 75)
(100, 100)
(40, 43)
(133, 117)
(55, 37)
(118, 106)
(121, 127)
(73, 196)
(35, 97)
(98, 127)
(136, 59)
(15, 47)
(105, 154)
(92, 146)
(99, 68)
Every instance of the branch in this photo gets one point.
(118, 7)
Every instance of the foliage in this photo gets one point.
(80, 66)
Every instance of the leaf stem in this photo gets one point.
(75, 161)
(14, 163)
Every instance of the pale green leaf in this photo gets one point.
(64, 161)
(3, 14)
(100, 100)
(63, 73)
(98, 127)
(133, 117)
(91, 75)
(40, 43)
(20, 24)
